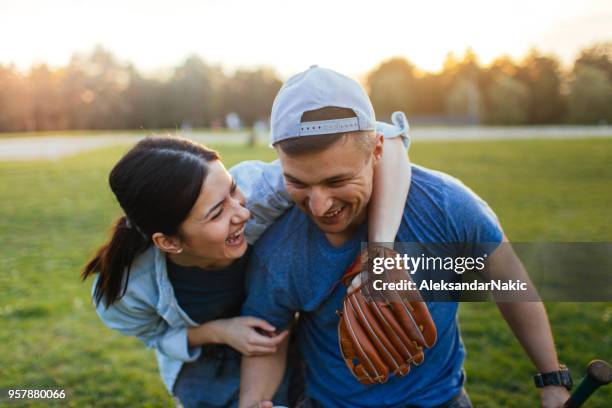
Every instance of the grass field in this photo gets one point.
(54, 214)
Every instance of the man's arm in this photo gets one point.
(528, 321)
(260, 376)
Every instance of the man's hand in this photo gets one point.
(553, 396)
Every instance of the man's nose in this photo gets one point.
(319, 202)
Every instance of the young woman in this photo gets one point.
(172, 273)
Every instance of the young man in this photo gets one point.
(323, 131)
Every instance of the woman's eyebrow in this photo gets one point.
(214, 208)
(232, 185)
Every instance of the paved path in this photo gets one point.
(54, 147)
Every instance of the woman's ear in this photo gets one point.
(168, 244)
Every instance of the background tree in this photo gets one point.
(46, 111)
(462, 84)
(392, 87)
(250, 94)
(142, 96)
(429, 96)
(506, 101)
(189, 95)
(14, 101)
(92, 88)
(505, 98)
(96, 91)
(590, 96)
(542, 76)
(599, 56)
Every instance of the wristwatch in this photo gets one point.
(561, 377)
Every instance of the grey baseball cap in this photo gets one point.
(313, 89)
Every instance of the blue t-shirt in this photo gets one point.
(294, 268)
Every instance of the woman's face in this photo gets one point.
(213, 233)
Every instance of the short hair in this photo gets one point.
(298, 146)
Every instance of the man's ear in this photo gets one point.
(378, 147)
(168, 244)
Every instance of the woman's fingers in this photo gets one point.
(354, 283)
(257, 339)
(260, 323)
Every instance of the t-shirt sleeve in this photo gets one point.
(266, 196)
(470, 220)
(269, 294)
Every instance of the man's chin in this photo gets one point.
(336, 228)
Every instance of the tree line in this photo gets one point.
(96, 91)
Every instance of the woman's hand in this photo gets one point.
(250, 336)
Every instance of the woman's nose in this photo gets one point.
(241, 213)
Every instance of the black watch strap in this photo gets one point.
(561, 377)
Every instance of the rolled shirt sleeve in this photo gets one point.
(133, 317)
(399, 127)
(263, 186)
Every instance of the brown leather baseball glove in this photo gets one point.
(383, 332)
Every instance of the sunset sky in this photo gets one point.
(349, 36)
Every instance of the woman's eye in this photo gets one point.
(214, 217)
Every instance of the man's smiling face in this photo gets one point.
(333, 186)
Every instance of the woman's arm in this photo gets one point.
(241, 333)
(391, 180)
(263, 186)
(132, 316)
(391, 184)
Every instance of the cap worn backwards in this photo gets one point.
(318, 88)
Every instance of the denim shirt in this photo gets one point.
(149, 309)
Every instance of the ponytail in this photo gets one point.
(113, 261)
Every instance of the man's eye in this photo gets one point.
(297, 184)
(214, 217)
(337, 183)
(233, 188)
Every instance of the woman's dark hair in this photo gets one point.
(156, 183)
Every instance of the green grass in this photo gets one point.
(53, 214)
